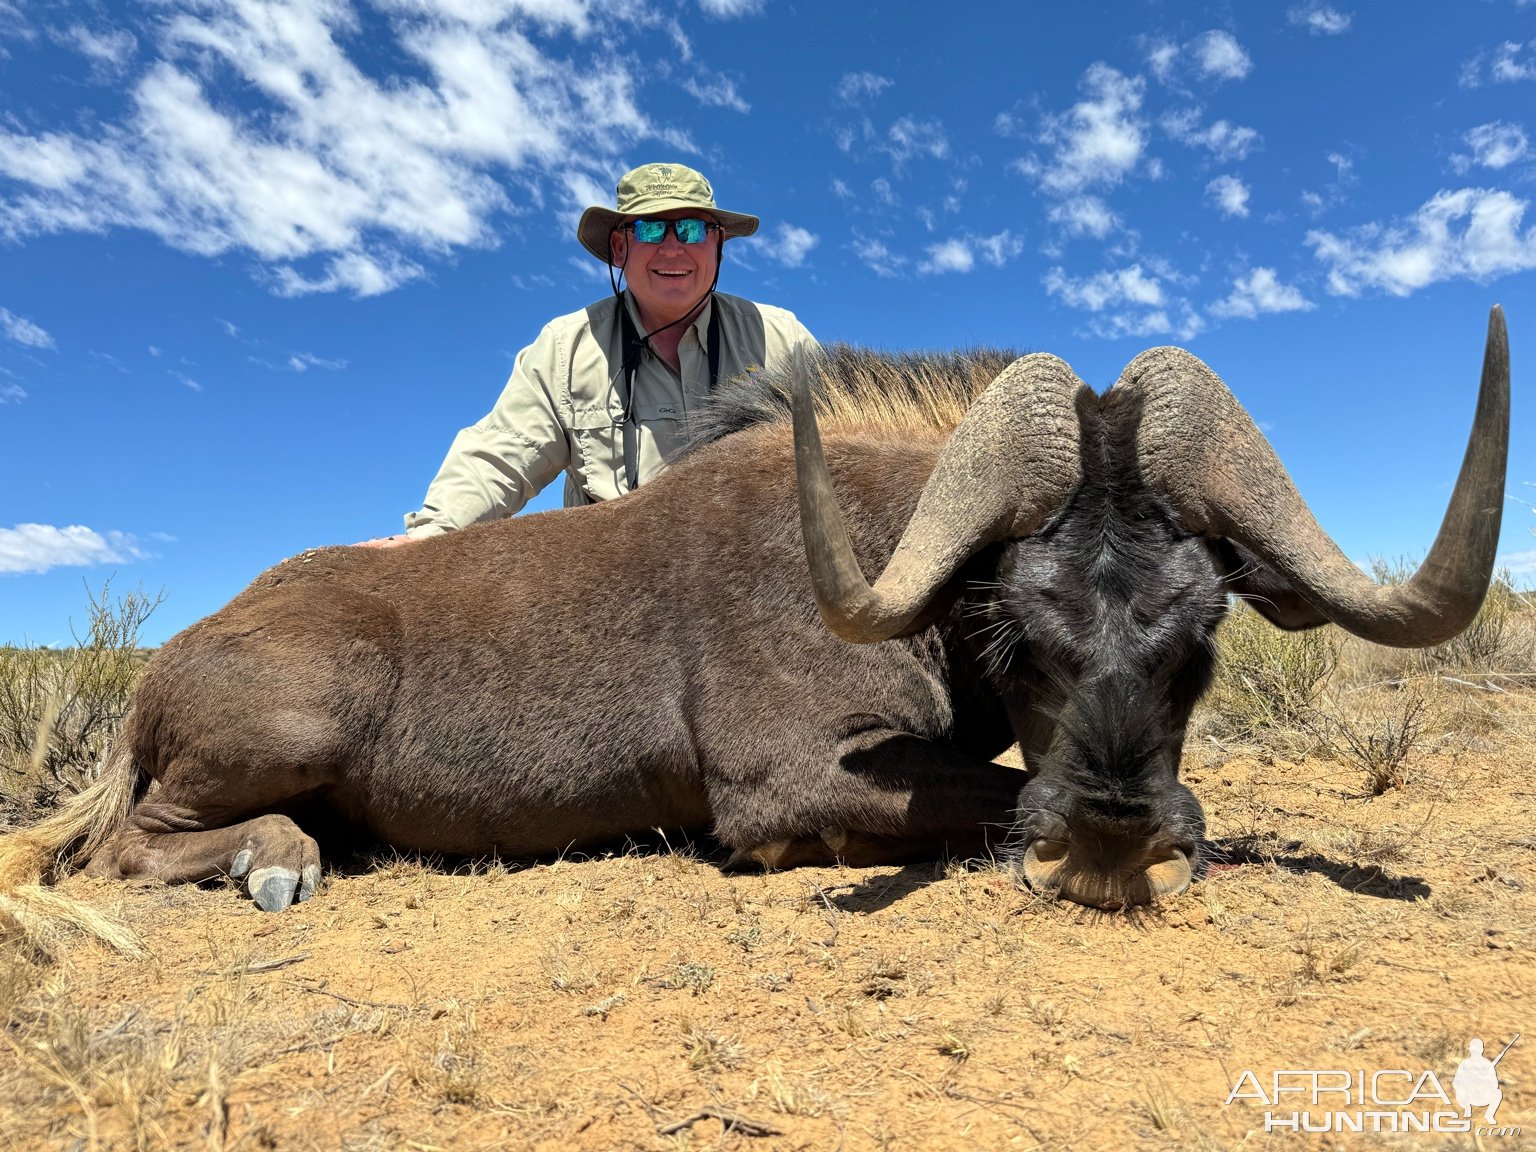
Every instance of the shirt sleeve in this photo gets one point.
(783, 331)
(497, 465)
(799, 333)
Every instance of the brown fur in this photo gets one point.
(550, 681)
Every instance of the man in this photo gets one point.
(603, 393)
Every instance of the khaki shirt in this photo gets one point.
(560, 410)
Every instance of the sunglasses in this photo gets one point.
(688, 231)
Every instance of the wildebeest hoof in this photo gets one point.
(273, 888)
(241, 863)
(769, 855)
(775, 854)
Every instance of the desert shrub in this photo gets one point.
(59, 707)
(1379, 730)
(1267, 680)
(1501, 637)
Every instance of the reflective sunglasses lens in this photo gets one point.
(690, 231)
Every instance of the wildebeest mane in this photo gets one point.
(856, 388)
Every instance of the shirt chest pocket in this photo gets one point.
(597, 443)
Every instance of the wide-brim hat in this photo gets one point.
(652, 189)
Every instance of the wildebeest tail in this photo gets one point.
(82, 824)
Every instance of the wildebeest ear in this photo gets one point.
(1264, 590)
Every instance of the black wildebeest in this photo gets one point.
(1054, 567)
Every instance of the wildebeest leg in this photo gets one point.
(260, 707)
(178, 843)
(883, 797)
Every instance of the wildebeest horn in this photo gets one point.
(1198, 447)
(1009, 464)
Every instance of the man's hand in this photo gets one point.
(384, 542)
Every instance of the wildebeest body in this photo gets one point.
(533, 684)
(1053, 565)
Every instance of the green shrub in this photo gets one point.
(1267, 680)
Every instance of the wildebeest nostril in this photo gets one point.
(1086, 877)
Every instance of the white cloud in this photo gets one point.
(906, 139)
(794, 244)
(959, 253)
(304, 361)
(1320, 19)
(857, 86)
(37, 548)
(719, 92)
(1337, 190)
(877, 257)
(952, 255)
(1161, 58)
(1495, 145)
(110, 50)
(1519, 563)
(581, 190)
(1402, 258)
(12, 393)
(355, 272)
(1229, 194)
(1098, 141)
(1219, 56)
(23, 331)
(1504, 63)
(787, 244)
(1227, 141)
(1128, 285)
(1008, 123)
(728, 9)
(1125, 302)
(1258, 292)
(1000, 248)
(1084, 216)
(331, 175)
(909, 137)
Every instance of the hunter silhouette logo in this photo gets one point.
(1476, 1084)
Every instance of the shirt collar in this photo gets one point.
(698, 326)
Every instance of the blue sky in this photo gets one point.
(259, 261)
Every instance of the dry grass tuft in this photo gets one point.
(60, 708)
(44, 920)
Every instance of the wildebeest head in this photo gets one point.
(1119, 525)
